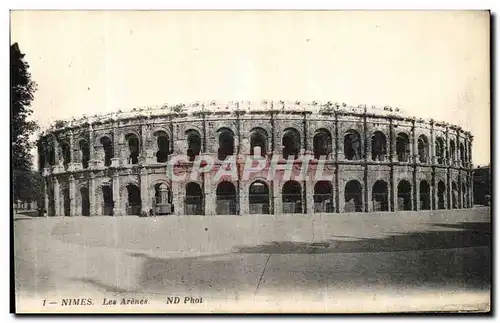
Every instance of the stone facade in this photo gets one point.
(377, 159)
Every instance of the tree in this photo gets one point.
(22, 90)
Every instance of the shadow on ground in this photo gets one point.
(434, 259)
(463, 235)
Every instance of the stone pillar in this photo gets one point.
(243, 199)
(91, 147)
(369, 195)
(57, 204)
(116, 194)
(144, 189)
(309, 195)
(341, 189)
(177, 198)
(72, 196)
(115, 161)
(209, 195)
(449, 191)
(392, 142)
(416, 187)
(471, 189)
(432, 146)
(277, 205)
(394, 187)
(414, 146)
(92, 197)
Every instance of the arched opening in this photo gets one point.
(66, 154)
(258, 198)
(66, 202)
(84, 192)
(322, 143)
(425, 195)
(107, 200)
(258, 142)
(226, 143)
(194, 144)
(452, 151)
(352, 145)
(462, 154)
(133, 200)
(291, 143)
(193, 203)
(441, 195)
(440, 153)
(292, 197)
(162, 144)
(402, 147)
(323, 197)
(404, 196)
(84, 148)
(423, 149)
(133, 148)
(226, 198)
(379, 146)
(162, 200)
(380, 196)
(353, 196)
(107, 145)
(454, 195)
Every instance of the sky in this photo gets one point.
(429, 64)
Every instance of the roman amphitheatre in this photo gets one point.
(378, 159)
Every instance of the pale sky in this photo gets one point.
(430, 64)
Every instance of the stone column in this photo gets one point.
(92, 197)
(341, 188)
(449, 191)
(91, 147)
(177, 198)
(413, 146)
(72, 196)
(278, 200)
(144, 189)
(116, 194)
(394, 188)
(309, 194)
(146, 150)
(416, 187)
(115, 161)
(243, 199)
(432, 146)
(447, 157)
(209, 195)
(57, 204)
(392, 142)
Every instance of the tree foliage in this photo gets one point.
(22, 90)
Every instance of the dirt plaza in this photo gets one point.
(330, 260)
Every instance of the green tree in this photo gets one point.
(22, 90)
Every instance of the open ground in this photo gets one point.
(375, 262)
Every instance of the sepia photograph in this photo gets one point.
(279, 161)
